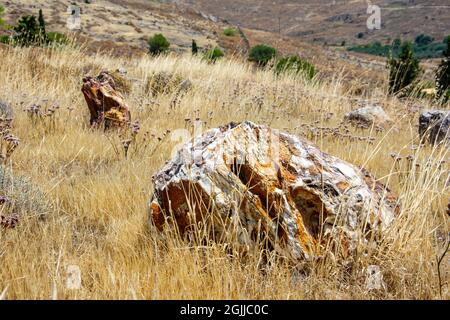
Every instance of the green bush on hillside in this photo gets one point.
(296, 66)
(158, 44)
(229, 32)
(423, 47)
(5, 39)
(261, 54)
(402, 70)
(423, 40)
(213, 55)
(28, 32)
(57, 38)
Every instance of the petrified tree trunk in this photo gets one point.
(260, 183)
(105, 103)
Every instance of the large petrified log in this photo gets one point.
(105, 103)
(261, 183)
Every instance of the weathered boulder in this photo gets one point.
(258, 183)
(368, 116)
(434, 125)
(106, 104)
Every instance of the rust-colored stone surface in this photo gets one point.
(259, 183)
(105, 103)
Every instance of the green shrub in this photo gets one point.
(443, 75)
(229, 32)
(158, 44)
(28, 32)
(296, 66)
(423, 40)
(57, 38)
(423, 48)
(213, 54)
(404, 70)
(396, 44)
(261, 54)
(5, 39)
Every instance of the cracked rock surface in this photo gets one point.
(259, 183)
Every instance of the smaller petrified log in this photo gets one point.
(105, 103)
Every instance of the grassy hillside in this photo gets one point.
(97, 199)
(122, 27)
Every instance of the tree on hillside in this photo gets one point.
(423, 40)
(158, 44)
(41, 21)
(404, 70)
(194, 48)
(262, 54)
(28, 31)
(443, 75)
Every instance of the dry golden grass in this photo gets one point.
(98, 216)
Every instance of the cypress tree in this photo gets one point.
(42, 32)
(41, 21)
(194, 48)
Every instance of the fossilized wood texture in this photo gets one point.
(434, 125)
(105, 103)
(262, 182)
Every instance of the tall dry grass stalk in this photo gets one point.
(98, 198)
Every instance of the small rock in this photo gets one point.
(368, 116)
(434, 125)
(122, 71)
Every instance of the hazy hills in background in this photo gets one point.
(333, 21)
